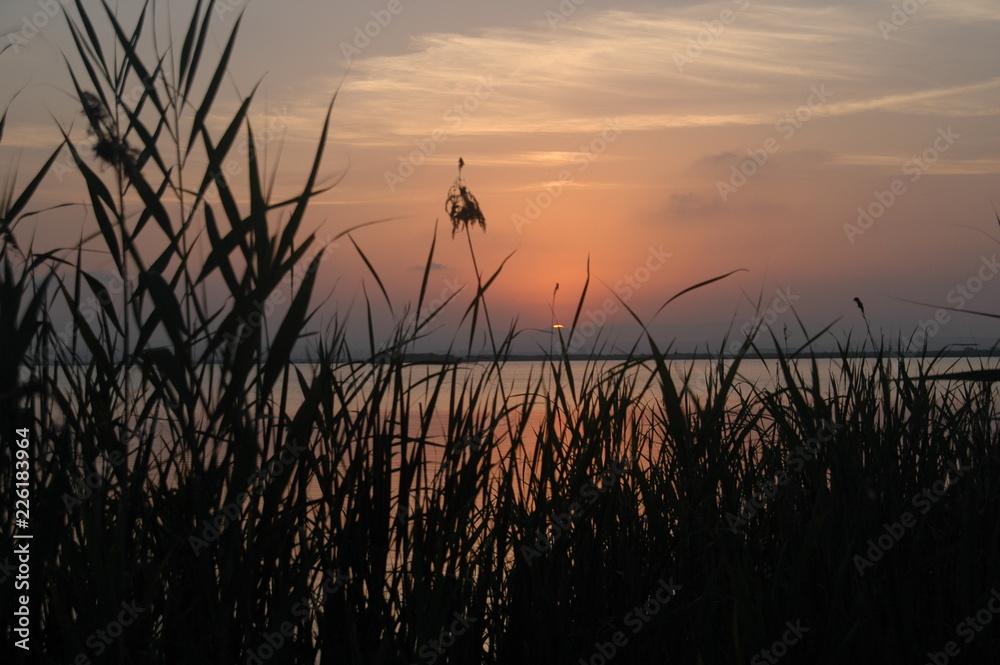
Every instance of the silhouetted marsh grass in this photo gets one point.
(421, 493)
(461, 206)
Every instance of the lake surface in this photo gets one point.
(505, 396)
(518, 377)
(517, 380)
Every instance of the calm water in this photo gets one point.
(520, 378)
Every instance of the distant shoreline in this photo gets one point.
(444, 359)
(436, 358)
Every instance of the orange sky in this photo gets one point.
(668, 144)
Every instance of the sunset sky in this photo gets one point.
(832, 151)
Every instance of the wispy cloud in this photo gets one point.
(434, 266)
(767, 58)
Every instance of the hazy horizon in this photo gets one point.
(832, 151)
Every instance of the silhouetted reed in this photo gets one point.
(401, 503)
(461, 205)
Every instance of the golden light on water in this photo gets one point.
(557, 325)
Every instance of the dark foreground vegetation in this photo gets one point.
(191, 514)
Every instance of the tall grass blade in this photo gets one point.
(213, 87)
